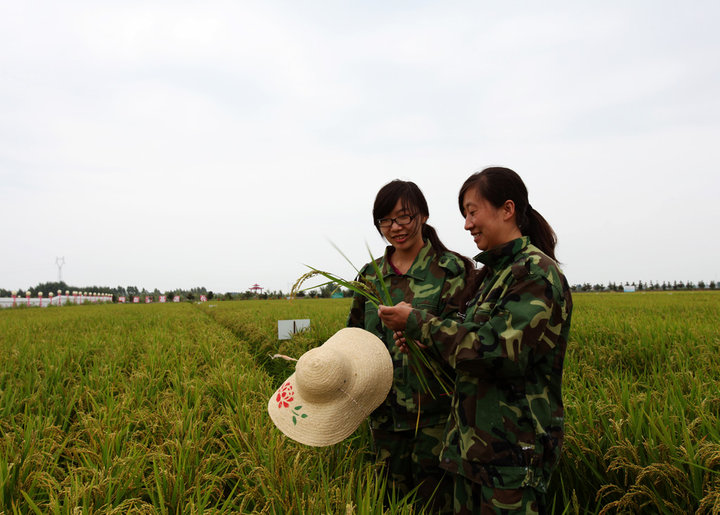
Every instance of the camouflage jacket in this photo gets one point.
(507, 423)
(432, 284)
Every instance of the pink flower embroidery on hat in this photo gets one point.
(285, 396)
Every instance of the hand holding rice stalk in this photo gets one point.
(365, 287)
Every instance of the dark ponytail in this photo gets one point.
(540, 232)
(429, 233)
(498, 185)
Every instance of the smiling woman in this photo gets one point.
(506, 426)
(402, 230)
(416, 269)
(496, 208)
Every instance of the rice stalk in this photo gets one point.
(91, 396)
(361, 286)
(419, 361)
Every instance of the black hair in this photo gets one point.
(497, 185)
(413, 201)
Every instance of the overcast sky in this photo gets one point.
(171, 144)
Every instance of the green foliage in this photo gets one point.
(162, 408)
(642, 404)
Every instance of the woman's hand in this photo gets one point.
(401, 344)
(395, 317)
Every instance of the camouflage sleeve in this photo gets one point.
(451, 295)
(498, 341)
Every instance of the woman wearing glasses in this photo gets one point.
(505, 430)
(419, 270)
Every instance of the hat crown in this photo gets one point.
(333, 389)
(321, 374)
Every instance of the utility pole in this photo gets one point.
(60, 261)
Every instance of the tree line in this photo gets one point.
(651, 286)
(327, 291)
(191, 294)
(117, 291)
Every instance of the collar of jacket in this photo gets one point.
(418, 269)
(502, 255)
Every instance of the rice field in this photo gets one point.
(161, 408)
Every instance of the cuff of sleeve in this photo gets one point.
(414, 324)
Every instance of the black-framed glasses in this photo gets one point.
(400, 220)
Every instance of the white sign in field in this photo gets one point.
(286, 328)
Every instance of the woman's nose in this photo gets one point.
(468, 223)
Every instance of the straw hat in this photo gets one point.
(334, 388)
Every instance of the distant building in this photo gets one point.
(628, 289)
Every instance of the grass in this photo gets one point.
(157, 409)
(162, 409)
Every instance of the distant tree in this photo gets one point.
(712, 285)
(701, 284)
(327, 290)
(52, 286)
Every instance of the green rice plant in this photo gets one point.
(638, 389)
(366, 288)
(162, 408)
(155, 409)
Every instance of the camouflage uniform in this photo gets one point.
(432, 284)
(505, 431)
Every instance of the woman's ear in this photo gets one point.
(508, 210)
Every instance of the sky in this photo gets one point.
(222, 144)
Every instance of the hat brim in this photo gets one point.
(369, 371)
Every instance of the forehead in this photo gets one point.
(472, 197)
(401, 206)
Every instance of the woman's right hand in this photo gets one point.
(401, 343)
